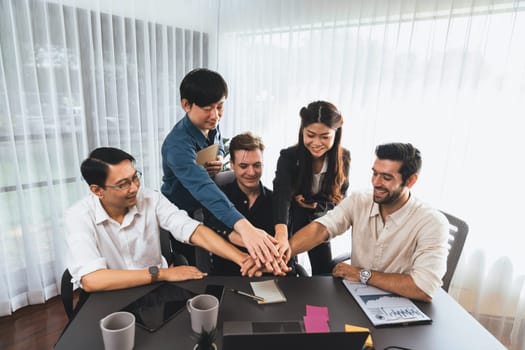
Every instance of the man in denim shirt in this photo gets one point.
(188, 184)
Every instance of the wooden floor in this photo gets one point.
(33, 327)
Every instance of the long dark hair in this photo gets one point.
(325, 113)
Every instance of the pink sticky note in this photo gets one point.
(313, 324)
(317, 311)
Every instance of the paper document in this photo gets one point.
(383, 308)
(207, 154)
(269, 291)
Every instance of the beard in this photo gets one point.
(390, 197)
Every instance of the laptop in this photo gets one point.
(286, 335)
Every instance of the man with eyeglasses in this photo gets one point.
(113, 235)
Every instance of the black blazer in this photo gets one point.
(285, 176)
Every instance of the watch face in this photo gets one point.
(153, 270)
(364, 275)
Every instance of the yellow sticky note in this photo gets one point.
(350, 328)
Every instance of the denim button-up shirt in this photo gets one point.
(186, 183)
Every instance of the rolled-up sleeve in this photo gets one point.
(338, 220)
(429, 259)
(83, 254)
(175, 220)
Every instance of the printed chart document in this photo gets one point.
(269, 291)
(385, 309)
(207, 154)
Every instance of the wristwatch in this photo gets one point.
(364, 275)
(154, 273)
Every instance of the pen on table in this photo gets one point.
(240, 292)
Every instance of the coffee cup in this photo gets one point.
(203, 309)
(118, 331)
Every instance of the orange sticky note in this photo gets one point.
(350, 328)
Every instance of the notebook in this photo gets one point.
(286, 335)
(158, 306)
(269, 290)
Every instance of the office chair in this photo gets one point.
(203, 258)
(458, 231)
(67, 291)
(224, 177)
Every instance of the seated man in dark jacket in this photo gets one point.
(248, 195)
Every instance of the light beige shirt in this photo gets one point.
(413, 240)
(96, 241)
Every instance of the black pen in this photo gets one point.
(240, 292)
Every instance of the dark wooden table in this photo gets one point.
(452, 327)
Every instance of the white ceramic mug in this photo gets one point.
(118, 331)
(203, 310)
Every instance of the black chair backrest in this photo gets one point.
(66, 293)
(224, 177)
(456, 240)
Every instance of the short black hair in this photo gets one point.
(409, 156)
(203, 87)
(95, 168)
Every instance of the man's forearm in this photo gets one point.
(308, 237)
(397, 283)
(401, 284)
(107, 279)
(235, 238)
(209, 240)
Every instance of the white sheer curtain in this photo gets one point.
(76, 75)
(447, 76)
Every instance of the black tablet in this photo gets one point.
(158, 306)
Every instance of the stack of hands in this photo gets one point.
(266, 254)
(269, 254)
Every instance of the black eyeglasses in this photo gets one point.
(126, 184)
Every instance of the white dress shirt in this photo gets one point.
(413, 240)
(317, 179)
(96, 241)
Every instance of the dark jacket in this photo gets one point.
(286, 176)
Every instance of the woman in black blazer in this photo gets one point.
(311, 178)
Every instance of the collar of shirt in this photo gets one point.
(238, 196)
(399, 215)
(198, 135)
(101, 214)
